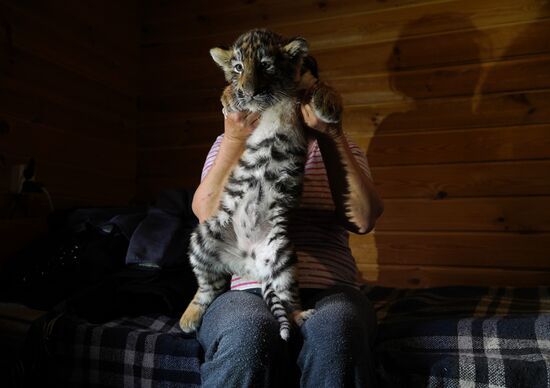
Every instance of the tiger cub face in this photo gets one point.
(261, 67)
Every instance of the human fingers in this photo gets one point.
(253, 119)
(236, 117)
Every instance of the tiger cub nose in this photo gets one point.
(248, 93)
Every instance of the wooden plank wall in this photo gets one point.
(68, 98)
(450, 100)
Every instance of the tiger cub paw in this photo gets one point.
(327, 103)
(300, 316)
(191, 318)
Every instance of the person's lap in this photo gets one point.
(243, 348)
(337, 339)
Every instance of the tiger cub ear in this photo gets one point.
(296, 47)
(222, 56)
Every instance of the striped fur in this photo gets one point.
(248, 235)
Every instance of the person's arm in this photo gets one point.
(356, 200)
(238, 126)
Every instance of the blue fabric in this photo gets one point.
(161, 238)
(444, 337)
(141, 351)
(463, 336)
(241, 341)
(338, 340)
(332, 349)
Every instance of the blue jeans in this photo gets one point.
(242, 346)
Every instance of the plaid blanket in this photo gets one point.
(463, 337)
(446, 337)
(145, 351)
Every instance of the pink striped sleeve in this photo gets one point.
(212, 154)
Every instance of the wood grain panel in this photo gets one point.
(477, 45)
(179, 133)
(87, 24)
(204, 101)
(465, 80)
(148, 119)
(464, 180)
(68, 180)
(89, 186)
(113, 23)
(27, 139)
(17, 233)
(43, 108)
(501, 250)
(165, 168)
(149, 187)
(171, 72)
(358, 28)
(422, 20)
(510, 109)
(26, 70)
(525, 215)
(5, 174)
(183, 163)
(36, 36)
(496, 110)
(16, 87)
(428, 182)
(37, 205)
(476, 145)
(203, 18)
(197, 71)
(411, 276)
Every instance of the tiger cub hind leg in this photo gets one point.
(208, 291)
(192, 316)
(300, 316)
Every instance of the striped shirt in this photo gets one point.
(321, 243)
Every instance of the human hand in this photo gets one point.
(239, 125)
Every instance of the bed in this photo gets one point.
(439, 337)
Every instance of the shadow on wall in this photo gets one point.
(450, 81)
(426, 90)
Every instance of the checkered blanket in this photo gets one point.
(145, 351)
(447, 337)
(463, 337)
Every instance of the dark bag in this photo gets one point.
(82, 248)
(157, 277)
(107, 262)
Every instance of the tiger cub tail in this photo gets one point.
(277, 309)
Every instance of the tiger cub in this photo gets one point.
(248, 235)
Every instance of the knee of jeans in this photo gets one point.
(337, 328)
(254, 336)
